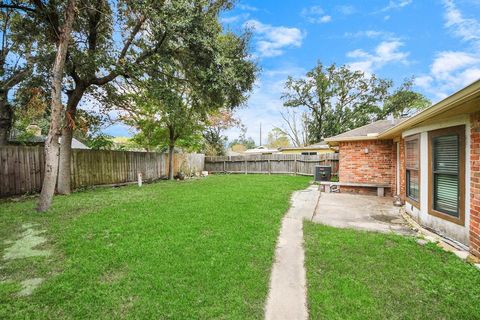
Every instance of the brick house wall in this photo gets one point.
(475, 184)
(376, 166)
(403, 192)
(393, 181)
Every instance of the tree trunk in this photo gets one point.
(171, 149)
(6, 116)
(52, 144)
(64, 170)
(64, 167)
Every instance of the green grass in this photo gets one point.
(361, 275)
(171, 250)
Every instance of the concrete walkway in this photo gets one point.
(287, 298)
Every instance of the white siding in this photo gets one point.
(450, 229)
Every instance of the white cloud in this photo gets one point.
(315, 14)
(398, 4)
(372, 34)
(423, 81)
(346, 9)
(234, 19)
(247, 7)
(386, 52)
(271, 40)
(447, 62)
(325, 19)
(452, 70)
(468, 29)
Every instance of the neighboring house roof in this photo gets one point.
(464, 101)
(41, 139)
(368, 132)
(78, 145)
(320, 145)
(233, 153)
(260, 149)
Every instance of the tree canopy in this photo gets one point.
(277, 139)
(339, 99)
(169, 103)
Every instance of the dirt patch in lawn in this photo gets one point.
(27, 245)
(24, 247)
(29, 285)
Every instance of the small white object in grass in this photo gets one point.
(461, 254)
(477, 265)
(29, 285)
(139, 179)
(422, 242)
(204, 173)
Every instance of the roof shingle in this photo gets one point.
(370, 130)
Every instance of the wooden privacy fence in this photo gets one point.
(22, 167)
(269, 164)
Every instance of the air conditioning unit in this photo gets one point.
(323, 173)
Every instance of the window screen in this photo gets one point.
(412, 166)
(446, 165)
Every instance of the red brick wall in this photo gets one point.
(475, 184)
(403, 191)
(393, 182)
(376, 166)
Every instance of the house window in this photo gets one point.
(447, 173)
(412, 168)
(309, 153)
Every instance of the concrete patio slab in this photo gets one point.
(360, 212)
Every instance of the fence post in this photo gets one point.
(246, 166)
(224, 166)
(269, 167)
(295, 165)
(139, 179)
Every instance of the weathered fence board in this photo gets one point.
(22, 167)
(269, 164)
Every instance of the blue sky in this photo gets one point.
(436, 41)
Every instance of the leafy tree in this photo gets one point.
(88, 127)
(113, 39)
(125, 144)
(404, 101)
(30, 107)
(242, 140)
(215, 125)
(18, 37)
(100, 142)
(176, 94)
(277, 139)
(339, 99)
(163, 111)
(52, 144)
(295, 126)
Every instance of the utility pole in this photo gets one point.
(260, 134)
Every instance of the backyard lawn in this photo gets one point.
(361, 275)
(169, 250)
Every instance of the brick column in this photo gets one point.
(402, 170)
(475, 184)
